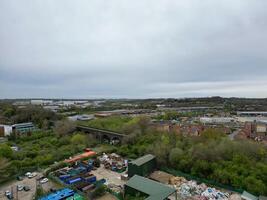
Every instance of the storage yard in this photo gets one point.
(80, 178)
(188, 189)
(87, 175)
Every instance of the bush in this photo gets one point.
(100, 191)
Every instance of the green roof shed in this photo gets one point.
(146, 187)
(142, 166)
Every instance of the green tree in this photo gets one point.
(78, 139)
(175, 156)
(5, 151)
(64, 127)
(4, 166)
(100, 191)
(255, 185)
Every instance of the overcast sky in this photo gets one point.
(133, 49)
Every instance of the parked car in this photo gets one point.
(19, 178)
(9, 194)
(53, 190)
(40, 178)
(45, 180)
(31, 175)
(28, 174)
(26, 188)
(19, 187)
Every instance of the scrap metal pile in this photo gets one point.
(113, 162)
(192, 190)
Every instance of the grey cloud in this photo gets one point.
(132, 49)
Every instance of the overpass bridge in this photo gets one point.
(102, 135)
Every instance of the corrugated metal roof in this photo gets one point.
(142, 160)
(247, 196)
(23, 124)
(60, 194)
(155, 190)
(262, 197)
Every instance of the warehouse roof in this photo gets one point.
(155, 190)
(247, 196)
(262, 197)
(60, 194)
(142, 160)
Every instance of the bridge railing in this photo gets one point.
(100, 130)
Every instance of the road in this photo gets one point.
(233, 134)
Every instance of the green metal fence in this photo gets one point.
(117, 195)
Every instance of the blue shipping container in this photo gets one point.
(90, 179)
(71, 181)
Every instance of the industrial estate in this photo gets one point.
(147, 149)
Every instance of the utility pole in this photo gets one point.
(17, 194)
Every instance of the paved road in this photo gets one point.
(232, 135)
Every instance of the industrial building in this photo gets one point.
(255, 130)
(142, 166)
(217, 120)
(19, 129)
(150, 189)
(5, 130)
(81, 117)
(23, 128)
(252, 113)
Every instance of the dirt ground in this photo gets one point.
(107, 197)
(110, 176)
(50, 184)
(161, 177)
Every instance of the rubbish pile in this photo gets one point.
(115, 188)
(192, 190)
(177, 181)
(113, 162)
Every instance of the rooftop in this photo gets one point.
(60, 194)
(23, 124)
(140, 161)
(155, 190)
(247, 196)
